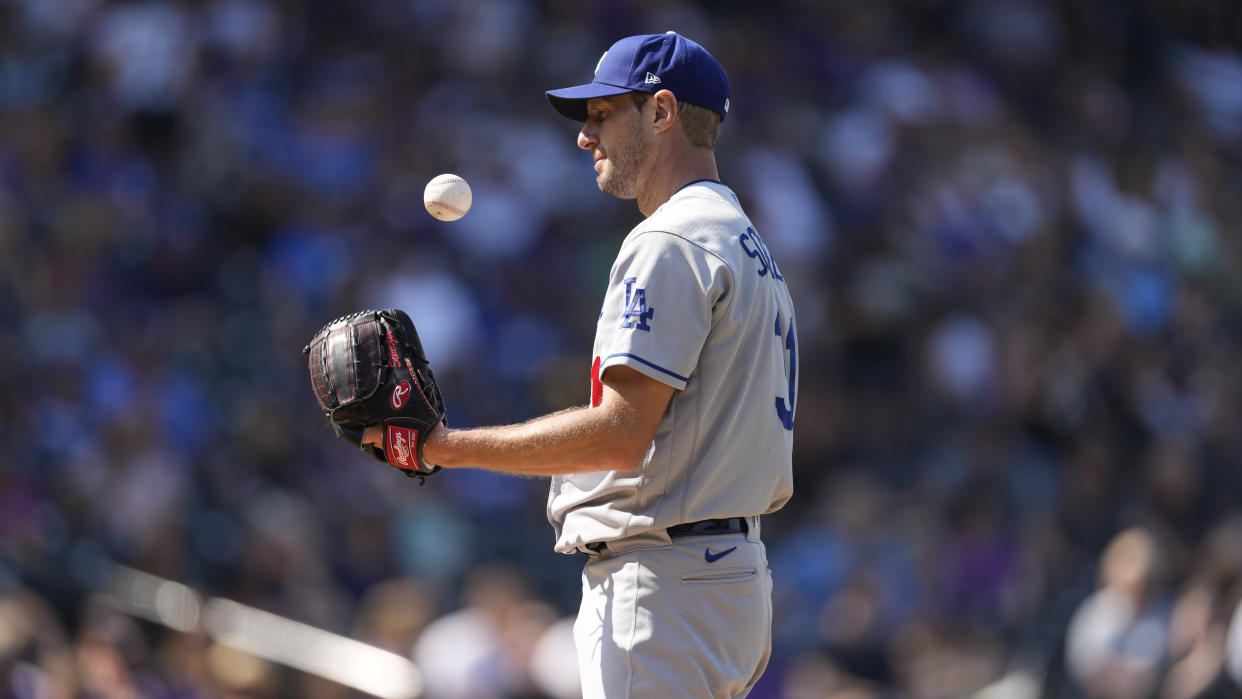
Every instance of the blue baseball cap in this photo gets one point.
(650, 63)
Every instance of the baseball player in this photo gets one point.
(687, 439)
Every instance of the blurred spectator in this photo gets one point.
(36, 659)
(484, 648)
(113, 655)
(1118, 639)
(553, 664)
(393, 613)
(1196, 645)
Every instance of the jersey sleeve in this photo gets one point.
(659, 307)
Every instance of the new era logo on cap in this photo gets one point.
(649, 63)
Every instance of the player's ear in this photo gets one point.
(665, 112)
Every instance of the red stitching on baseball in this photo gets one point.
(451, 209)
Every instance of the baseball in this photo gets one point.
(447, 197)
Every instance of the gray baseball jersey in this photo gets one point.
(696, 301)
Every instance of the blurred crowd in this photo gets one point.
(1009, 227)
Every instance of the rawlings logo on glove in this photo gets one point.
(368, 368)
(399, 394)
(399, 440)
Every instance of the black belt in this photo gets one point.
(732, 525)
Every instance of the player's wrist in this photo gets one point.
(435, 449)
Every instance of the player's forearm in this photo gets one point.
(576, 440)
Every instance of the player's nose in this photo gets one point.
(587, 140)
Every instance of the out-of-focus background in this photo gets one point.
(1010, 227)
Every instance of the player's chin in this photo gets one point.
(616, 194)
(604, 182)
(614, 188)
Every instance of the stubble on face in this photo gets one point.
(627, 159)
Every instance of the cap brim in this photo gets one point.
(571, 101)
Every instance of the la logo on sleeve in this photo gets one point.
(636, 313)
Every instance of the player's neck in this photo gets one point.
(673, 171)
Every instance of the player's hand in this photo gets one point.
(373, 436)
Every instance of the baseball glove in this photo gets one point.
(368, 368)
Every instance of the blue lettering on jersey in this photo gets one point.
(785, 407)
(636, 307)
(755, 248)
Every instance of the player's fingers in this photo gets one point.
(373, 436)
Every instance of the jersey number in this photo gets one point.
(785, 408)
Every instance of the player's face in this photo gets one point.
(614, 134)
